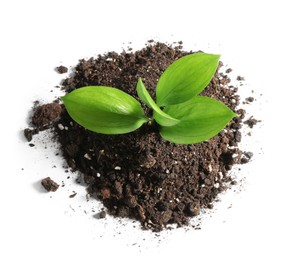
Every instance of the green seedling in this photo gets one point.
(184, 117)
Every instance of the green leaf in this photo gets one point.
(200, 119)
(185, 78)
(160, 117)
(104, 110)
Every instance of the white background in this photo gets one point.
(37, 36)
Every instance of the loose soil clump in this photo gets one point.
(140, 175)
(61, 69)
(49, 184)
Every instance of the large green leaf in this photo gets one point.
(185, 78)
(160, 117)
(200, 119)
(104, 110)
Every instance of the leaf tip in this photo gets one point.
(140, 81)
(216, 56)
(233, 114)
(63, 98)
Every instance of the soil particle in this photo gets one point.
(251, 122)
(193, 209)
(61, 69)
(246, 157)
(240, 78)
(102, 214)
(49, 184)
(28, 133)
(73, 195)
(140, 175)
(249, 99)
(43, 118)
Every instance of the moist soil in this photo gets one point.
(140, 175)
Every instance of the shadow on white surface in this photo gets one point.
(38, 187)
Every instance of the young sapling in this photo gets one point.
(184, 117)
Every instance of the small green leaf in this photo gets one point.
(104, 110)
(160, 117)
(185, 78)
(200, 119)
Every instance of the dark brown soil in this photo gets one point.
(140, 175)
(49, 184)
(251, 122)
(61, 69)
(46, 114)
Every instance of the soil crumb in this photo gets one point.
(61, 69)
(251, 122)
(49, 184)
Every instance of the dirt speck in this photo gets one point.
(61, 69)
(49, 184)
(251, 121)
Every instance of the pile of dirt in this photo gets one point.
(140, 175)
